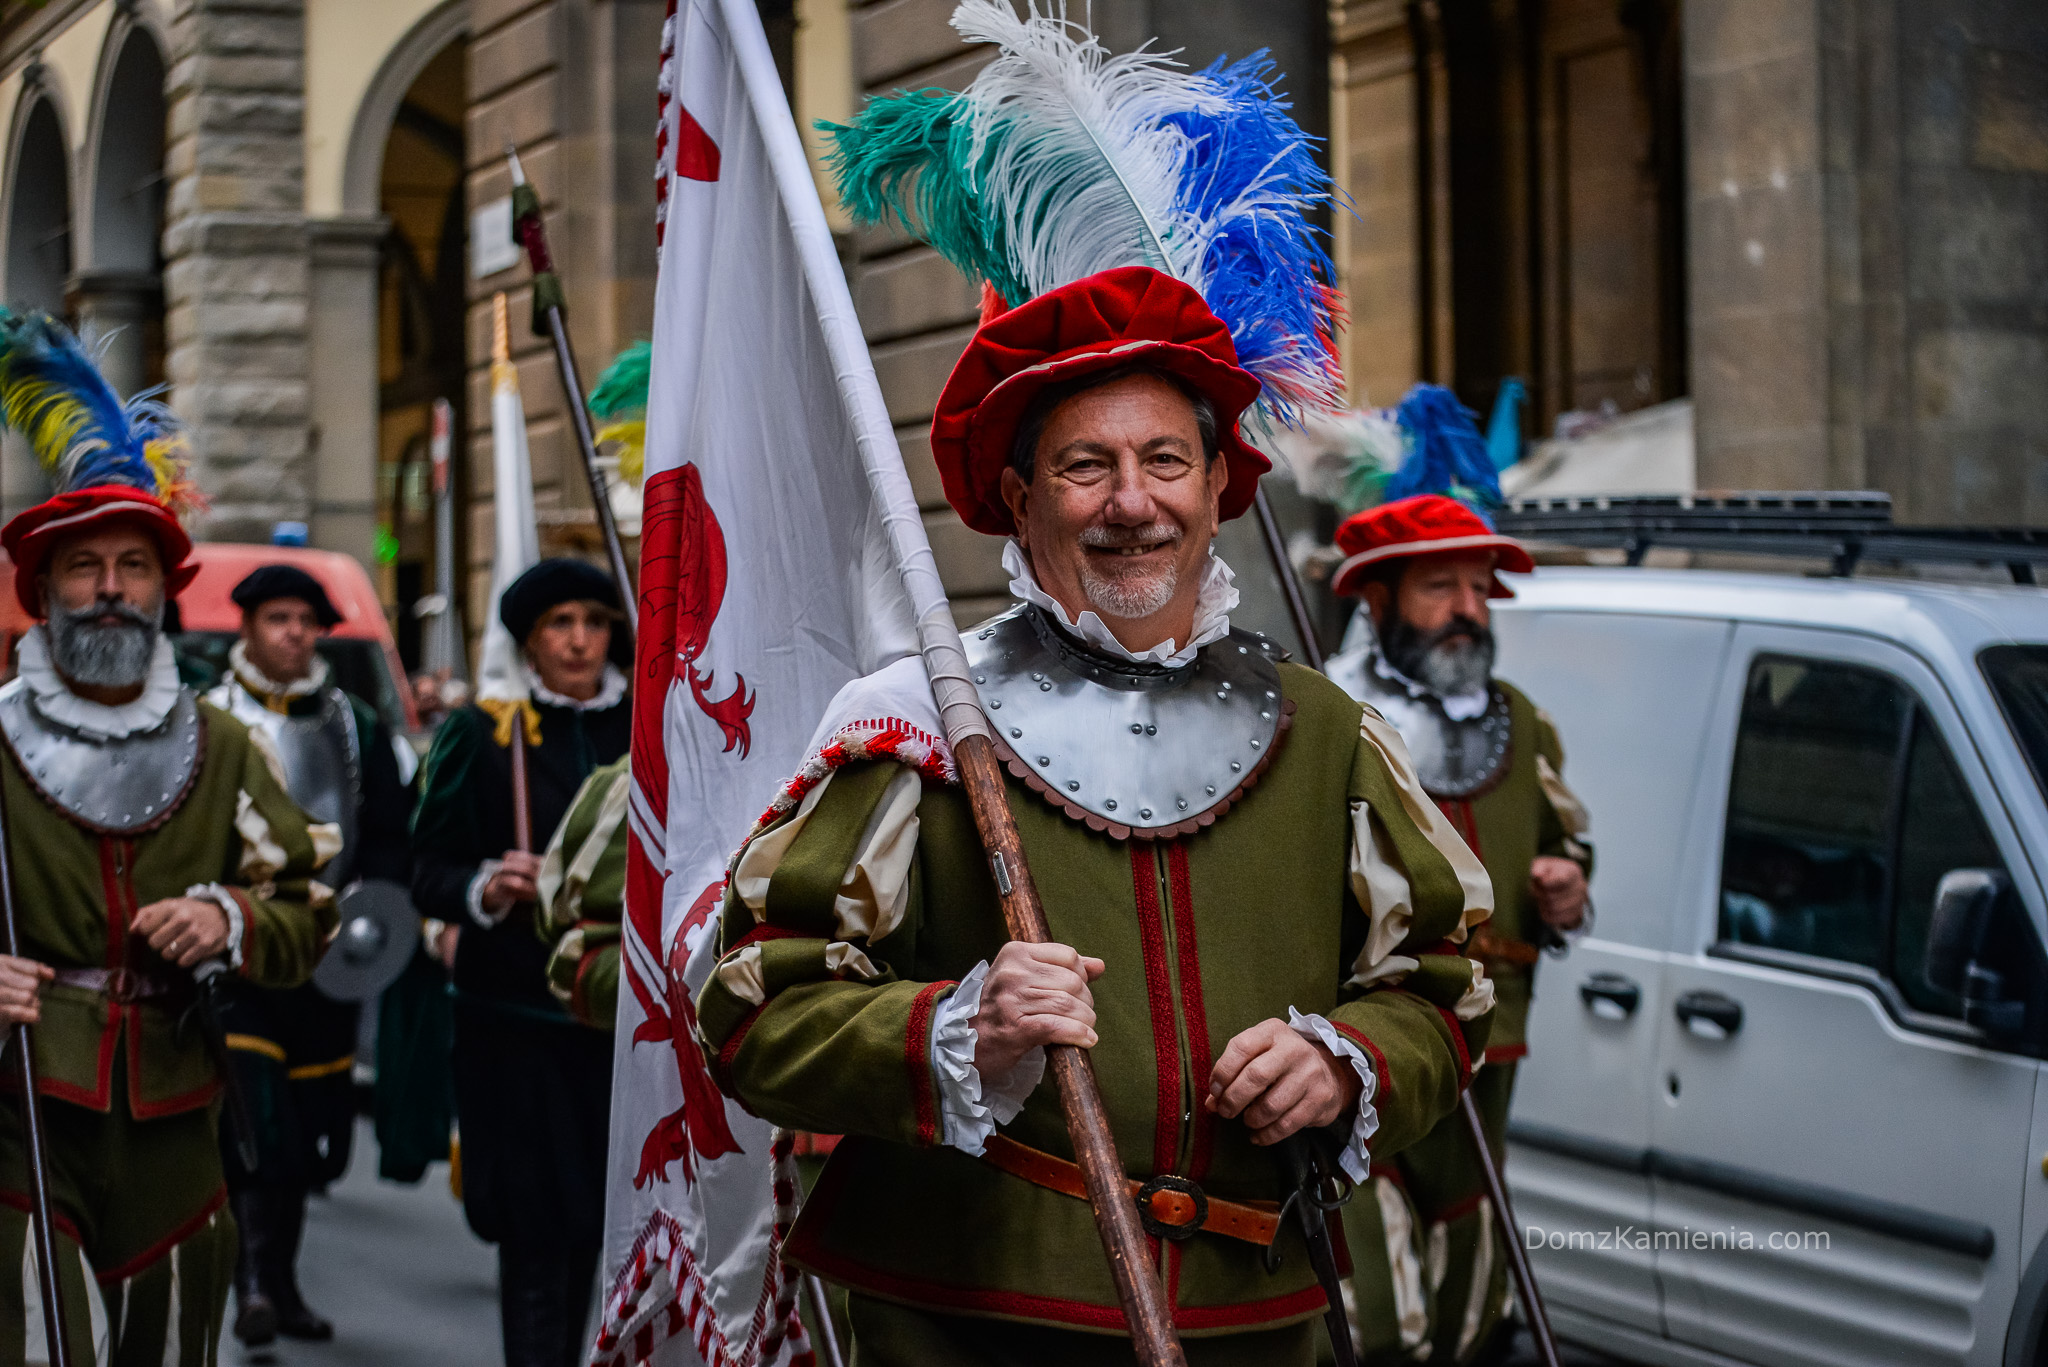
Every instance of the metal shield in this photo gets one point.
(378, 932)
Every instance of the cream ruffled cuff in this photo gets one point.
(969, 1109)
(1356, 1162)
(236, 925)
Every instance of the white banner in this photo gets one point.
(768, 581)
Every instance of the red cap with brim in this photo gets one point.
(1428, 524)
(1131, 315)
(30, 536)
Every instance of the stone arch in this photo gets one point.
(362, 173)
(117, 292)
(37, 253)
(38, 259)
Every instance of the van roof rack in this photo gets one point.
(1844, 528)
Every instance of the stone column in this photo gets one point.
(342, 348)
(237, 277)
(113, 308)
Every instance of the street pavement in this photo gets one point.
(399, 1273)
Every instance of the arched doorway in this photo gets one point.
(421, 300)
(117, 293)
(38, 259)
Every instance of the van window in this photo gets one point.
(2019, 676)
(1845, 809)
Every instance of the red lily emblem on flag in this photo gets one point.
(698, 1130)
(683, 582)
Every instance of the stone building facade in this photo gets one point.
(1818, 220)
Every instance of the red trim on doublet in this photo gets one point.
(804, 1249)
(20, 1201)
(1458, 1043)
(1200, 1059)
(170, 1105)
(1159, 993)
(765, 932)
(1464, 820)
(917, 1058)
(728, 1051)
(1379, 1060)
(123, 1271)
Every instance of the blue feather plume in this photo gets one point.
(52, 392)
(1446, 454)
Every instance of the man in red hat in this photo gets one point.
(1256, 909)
(1421, 653)
(149, 838)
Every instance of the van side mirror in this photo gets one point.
(1964, 903)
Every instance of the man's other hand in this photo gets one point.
(1559, 887)
(184, 930)
(517, 880)
(21, 985)
(1279, 1082)
(1033, 995)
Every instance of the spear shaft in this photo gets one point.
(551, 320)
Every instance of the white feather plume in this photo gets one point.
(1083, 167)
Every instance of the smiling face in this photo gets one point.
(1121, 507)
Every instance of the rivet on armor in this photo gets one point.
(1144, 813)
(1016, 734)
(1152, 729)
(1225, 685)
(1221, 696)
(1236, 767)
(1137, 728)
(1110, 803)
(994, 703)
(981, 678)
(1181, 803)
(1243, 650)
(1255, 745)
(1036, 675)
(1073, 786)
(1210, 789)
(1044, 760)
(1265, 715)
(986, 634)
(1044, 687)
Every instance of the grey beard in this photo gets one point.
(1446, 661)
(1129, 599)
(115, 656)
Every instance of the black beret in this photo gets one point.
(267, 582)
(550, 584)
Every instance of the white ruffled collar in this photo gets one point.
(54, 699)
(610, 690)
(262, 687)
(1213, 606)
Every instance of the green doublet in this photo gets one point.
(1203, 936)
(76, 892)
(583, 897)
(1508, 826)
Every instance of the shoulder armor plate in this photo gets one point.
(1128, 749)
(112, 787)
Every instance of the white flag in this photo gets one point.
(768, 581)
(501, 671)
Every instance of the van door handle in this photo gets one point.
(1611, 996)
(1710, 1015)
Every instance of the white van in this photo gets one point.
(1785, 1104)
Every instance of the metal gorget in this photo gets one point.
(1127, 748)
(323, 771)
(1454, 759)
(114, 787)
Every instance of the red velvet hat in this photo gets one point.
(1110, 319)
(30, 536)
(1427, 524)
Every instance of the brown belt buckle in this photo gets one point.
(125, 986)
(1170, 1194)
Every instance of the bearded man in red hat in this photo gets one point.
(1421, 653)
(151, 842)
(1256, 907)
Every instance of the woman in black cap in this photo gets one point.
(532, 1085)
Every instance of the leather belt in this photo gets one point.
(121, 986)
(1169, 1206)
(1488, 943)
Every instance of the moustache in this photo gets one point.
(1149, 537)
